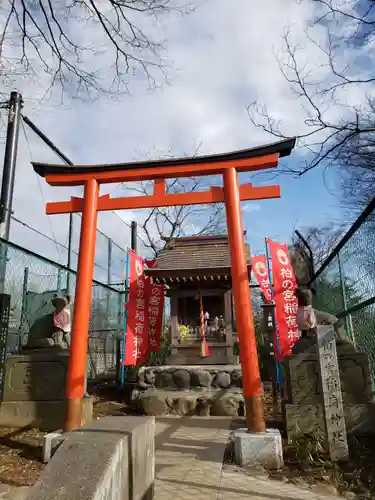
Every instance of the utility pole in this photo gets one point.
(10, 159)
(54, 148)
(9, 173)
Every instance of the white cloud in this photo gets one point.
(250, 207)
(223, 57)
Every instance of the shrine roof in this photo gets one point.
(282, 148)
(199, 255)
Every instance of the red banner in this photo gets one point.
(155, 298)
(284, 284)
(260, 270)
(137, 323)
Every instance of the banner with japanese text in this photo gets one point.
(137, 318)
(260, 270)
(286, 305)
(155, 299)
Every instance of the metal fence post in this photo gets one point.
(23, 307)
(348, 329)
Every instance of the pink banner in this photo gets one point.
(137, 324)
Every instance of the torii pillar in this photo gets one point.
(228, 165)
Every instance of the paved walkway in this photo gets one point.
(189, 454)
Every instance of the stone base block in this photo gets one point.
(51, 442)
(263, 448)
(45, 415)
(309, 419)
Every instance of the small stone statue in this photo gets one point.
(52, 330)
(309, 318)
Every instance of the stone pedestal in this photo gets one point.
(303, 392)
(263, 448)
(34, 390)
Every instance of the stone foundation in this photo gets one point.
(203, 403)
(189, 390)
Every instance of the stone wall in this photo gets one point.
(190, 377)
(190, 390)
(112, 459)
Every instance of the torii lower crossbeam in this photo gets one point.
(227, 165)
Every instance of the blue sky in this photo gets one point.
(222, 58)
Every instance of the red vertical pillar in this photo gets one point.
(82, 307)
(252, 384)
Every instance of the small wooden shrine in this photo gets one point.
(190, 268)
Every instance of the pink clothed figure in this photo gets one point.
(61, 320)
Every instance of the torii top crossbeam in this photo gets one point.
(231, 194)
(246, 160)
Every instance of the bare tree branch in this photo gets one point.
(345, 138)
(322, 241)
(67, 39)
(175, 222)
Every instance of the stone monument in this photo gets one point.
(35, 379)
(334, 418)
(304, 395)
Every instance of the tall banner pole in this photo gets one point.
(277, 343)
(125, 318)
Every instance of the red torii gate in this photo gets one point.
(228, 165)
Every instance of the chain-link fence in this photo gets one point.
(109, 264)
(32, 280)
(345, 283)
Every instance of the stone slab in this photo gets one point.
(191, 354)
(36, 376)
(46, 415)
(264, 448)
(310, 418)
(113, 459)
(334, 417)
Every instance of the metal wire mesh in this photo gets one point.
(346, 286)
(31, 281)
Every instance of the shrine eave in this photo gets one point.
(247, 159)
(185, 276)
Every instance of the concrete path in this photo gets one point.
(189, 455)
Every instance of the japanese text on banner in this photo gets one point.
(155, 297)
(286, 304)
(260, 270)
(137, 324)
